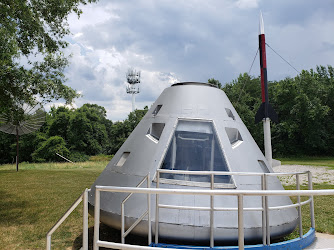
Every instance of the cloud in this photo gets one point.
(247, 4)
(191, 40)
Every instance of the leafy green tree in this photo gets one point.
(29, 143)
(31, 59)
(305, 108)
(215, 82)
(245, 95)
(47, 151)
(304, 105)
(87, 129)
(60, 121)
(7, 143)
(121, 130)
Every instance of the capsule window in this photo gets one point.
(195, 147)
(263, 166)
(234, 136)
(156, 110)
(155, 131)
(123, 159)
(229, 113)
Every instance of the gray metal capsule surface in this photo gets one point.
(193, 127)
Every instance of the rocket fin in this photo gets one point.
(260, 114)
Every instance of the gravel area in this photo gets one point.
(319, 174)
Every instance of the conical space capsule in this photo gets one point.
(194, 127)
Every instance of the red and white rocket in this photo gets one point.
(266, 111)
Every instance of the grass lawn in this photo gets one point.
(324, 213)
(33, 199)
(310, 161)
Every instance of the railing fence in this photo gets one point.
(240, 194)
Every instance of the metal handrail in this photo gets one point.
(147, 212)
(239, 193)
(211, 192)
(214, 192)
(83, 197)
(265, 208)
(224, 173)
(157, 191)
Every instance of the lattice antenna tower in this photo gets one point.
(133, 79)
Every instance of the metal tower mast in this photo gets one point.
(133, 78)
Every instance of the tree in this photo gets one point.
(47, 151)
(60, 121)
(305, 108)
(87, 129)
(245, 95)
(121, 130)
(7, 148)
(215, 82)
(304, 105)
(31, 58)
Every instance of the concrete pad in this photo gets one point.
(276, 163)
(322, 241)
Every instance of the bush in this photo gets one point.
(78, 156)
(47, 151)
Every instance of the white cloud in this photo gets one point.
(59, 104)
(171, 41)
(247, 4)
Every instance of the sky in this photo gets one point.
(189, 40)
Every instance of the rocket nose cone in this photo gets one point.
(261, 25)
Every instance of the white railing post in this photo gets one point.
(48, 242)
(310, 187)
(299, 208)
(157, 211)
(85, 221)
(149, 211)
(241, 236)
(264, 237)
(266, 206)
(122, 224)
(212, 219)
(61, 220)
(96, 219)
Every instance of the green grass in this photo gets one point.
(33, 199)
(310, 161)
(324, 214)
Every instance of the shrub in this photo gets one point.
(78, 156)
(48, 149)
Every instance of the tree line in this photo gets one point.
(304, 104)
(73, 133)
(305, 108)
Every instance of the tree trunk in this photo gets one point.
(17, 149)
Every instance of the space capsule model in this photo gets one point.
(194, 127)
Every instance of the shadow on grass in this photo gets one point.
(108, 234)
(11, 210)
(113, 235)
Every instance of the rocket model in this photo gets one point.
(265, 110)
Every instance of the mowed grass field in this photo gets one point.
(309, 161)
(33, 199)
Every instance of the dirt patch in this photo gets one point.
(319, 174)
